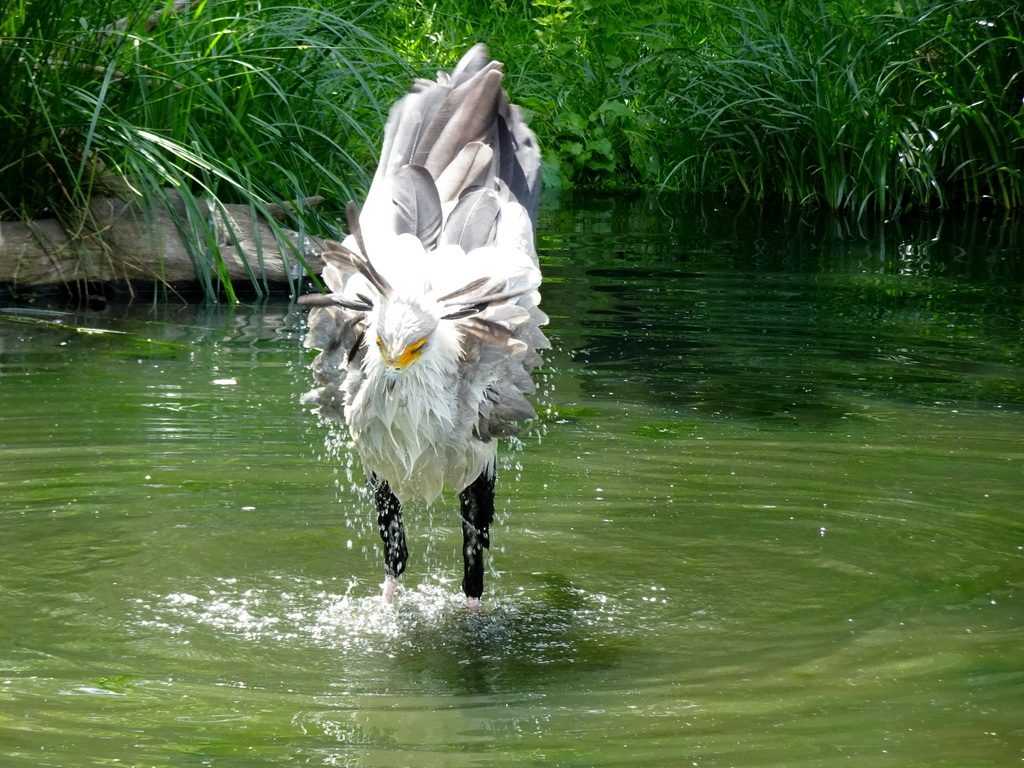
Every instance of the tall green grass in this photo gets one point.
(858, 105)
(971, 90)
(839, 105)
(869, 106)
(590, 74)
(228, 101)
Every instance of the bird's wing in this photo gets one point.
(451, 213)
(338, 334)
(501, 322)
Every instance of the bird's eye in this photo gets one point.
(380, 342)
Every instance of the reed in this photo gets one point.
(229, 101)
(866, 106)
(839, 105)
(971, 90)
(854, 105)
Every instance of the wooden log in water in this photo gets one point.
(119, 241)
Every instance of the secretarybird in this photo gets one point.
(430, 333)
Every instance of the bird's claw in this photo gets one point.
(473, 604)
(388, 589)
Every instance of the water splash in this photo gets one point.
(538, 625)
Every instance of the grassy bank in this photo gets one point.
(226, 100)
(865, 106)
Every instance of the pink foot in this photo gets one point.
(388, 589)
(473, 604)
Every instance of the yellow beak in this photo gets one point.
(404, 358)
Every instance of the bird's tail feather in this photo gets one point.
(446, 140)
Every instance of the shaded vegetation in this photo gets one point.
(871, 107)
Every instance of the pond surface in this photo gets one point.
(773, 515)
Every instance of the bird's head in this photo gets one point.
(409, 324)
(403, 332)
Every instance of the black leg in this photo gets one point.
(477, 502)
(389, 523)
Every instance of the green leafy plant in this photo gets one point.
(840, 105)
(866, 106)
(223, 102)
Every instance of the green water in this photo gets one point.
(772, 517)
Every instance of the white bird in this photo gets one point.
(430, 333)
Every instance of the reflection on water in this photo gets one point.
(770, 516)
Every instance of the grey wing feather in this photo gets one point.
(475, 59)
(470, 168)
(466, 116)
(417, 205)
(338, 335)
(520, 159)
(471, 222)
(459, 168)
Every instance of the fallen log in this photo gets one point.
(118, 241)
